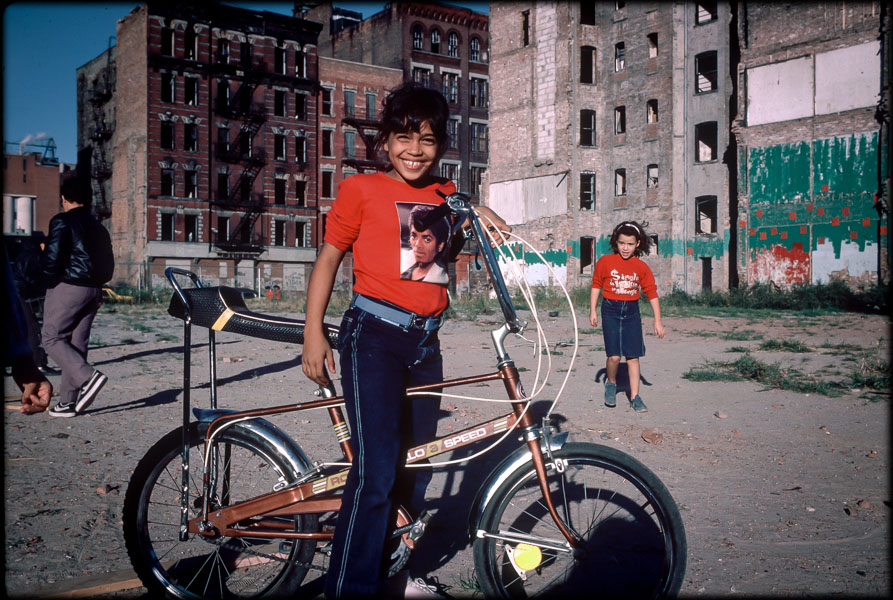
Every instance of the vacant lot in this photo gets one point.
(783, 492)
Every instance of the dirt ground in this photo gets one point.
(782, 493)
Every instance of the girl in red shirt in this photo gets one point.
(620, 277)
(388, 337)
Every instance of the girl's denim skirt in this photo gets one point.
(622, 328)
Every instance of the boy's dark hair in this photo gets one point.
(73, 190)
(637, 231)
(410, 105)
(440, 228)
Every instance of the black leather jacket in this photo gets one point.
(78, 250)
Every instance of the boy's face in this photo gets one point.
(626, 245)
(412, 154)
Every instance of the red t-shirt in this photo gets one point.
(371, 216)
(623, 279)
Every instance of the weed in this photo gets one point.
(784, 346)
(140, 327)
(469, 583)
(873, 373)
(703, 333)
(773, 376)
(738, 349)
(710, 372)
(742, 335)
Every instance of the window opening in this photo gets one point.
(619, 56)
(705, 141)
(191, 228)
(417, 38)
(587, 13)
(327, 146)
(191, 44)
(167, 41)
(279, 103)
(222, 186)
(435, 41)
(453, 45)
(652, 177)
(652, 45)
(525, 28)
(350, 144)
(300, 106)
(587, 252)
(587, 191)
(705, 213)
(279, 146)
(587, 65)
(651, 111)
(706, 12)
(706, 273)
(327, 102)
(620, 182)
(167, 182)
(327, 180)
(167, 227)
(191, 190)
(705, 72)
(451, 87)
(279, 232)
(620, 120)
(167, 135)
(279, 190)
(350, 97)
(190, 137)
(168, 87)
(587, 127)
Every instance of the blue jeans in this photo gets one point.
(378, 362)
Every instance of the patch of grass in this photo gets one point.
(703, 333)
(770, 375)
(742, 335)
(469, 583)
(873, 374)
(784, 346)
(141, 328)
(738, 349)
(589, 331)
(841, 347)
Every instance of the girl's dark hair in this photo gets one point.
(637, 231)
(410, 105)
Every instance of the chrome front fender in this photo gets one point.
(511, 463)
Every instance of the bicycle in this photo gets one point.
(554, 517)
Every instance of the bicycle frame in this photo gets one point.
(312, 493)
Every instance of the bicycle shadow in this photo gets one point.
(447, 532)
(169, 350)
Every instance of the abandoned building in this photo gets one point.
(743, 135)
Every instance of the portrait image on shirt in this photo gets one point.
(423, 252)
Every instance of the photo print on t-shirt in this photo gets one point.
(423, 254)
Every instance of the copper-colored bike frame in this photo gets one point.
(250, 518)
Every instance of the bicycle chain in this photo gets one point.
(247, 550)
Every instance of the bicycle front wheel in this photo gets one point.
(634, 539)
(232, 567)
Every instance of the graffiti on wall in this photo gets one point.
(810, 215)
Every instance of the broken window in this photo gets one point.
(191, 228)
(653, 239)
(587, 127)
(280, 61)
(587, 251)
(453, 134)
(620, 120)
(652, 177)
(651, 111)
(435, 41)
(327, 102)
(223, 50)
(168, 87)
(451, 87)
(167, 227)
(525, 27)
(190, 137)
(620, 182)
(619, 56)
(300, 106)
(300, 234)
(705, 141)
(167, 182)
(652, 45)
(191, 190)
(327, 139)
(301, 150)
(279, 146)
(222, 186)
(417, 38)
(587, 65)
(706, 12)
(479, 93)
(705, 72)
(480, 137)
(245, 53)
(190, 43)
(191, 89)
(706, 273)
(279, 103)
(453, 45)
(222, 228)
(279, 190)
(300, 64)
(705, 214)
(587, 191)
(167, 41)
(300, 190)
(420, 75)
(587, 13)
(167, 135)
(327, 180)
(279, 232)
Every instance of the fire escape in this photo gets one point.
(241, 241)
(100, 133)
(367, 130)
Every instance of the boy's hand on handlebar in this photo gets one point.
(498, 223)
(317, 356)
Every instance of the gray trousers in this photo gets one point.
(68, 313)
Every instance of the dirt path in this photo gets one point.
(782, 493)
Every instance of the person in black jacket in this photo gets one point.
(75, 263)
(32, 289)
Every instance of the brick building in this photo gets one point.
(31, 191)
(812, 154)
(199, 128)
(441, 46)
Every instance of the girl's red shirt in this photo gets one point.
(364, 218)
(623, 279)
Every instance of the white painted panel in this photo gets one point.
(524, 200)
(847, 78)
(780, 91)
(853, 261)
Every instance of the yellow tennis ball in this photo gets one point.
(527, 557)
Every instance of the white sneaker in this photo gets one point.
(418, 588)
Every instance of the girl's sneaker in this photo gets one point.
(637, 405)
(610, 394)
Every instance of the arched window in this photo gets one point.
(475, 50)
(453, 45)
(417, 37)
(435, 41)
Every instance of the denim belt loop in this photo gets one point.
(396, 316)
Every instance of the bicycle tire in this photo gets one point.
(634, 537)
(200, 567)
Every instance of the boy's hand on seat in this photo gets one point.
(317, 355)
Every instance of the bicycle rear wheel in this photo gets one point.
(634, 537)
(241, 567)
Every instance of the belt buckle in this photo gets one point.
(417, 322)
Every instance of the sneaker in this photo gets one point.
(48, 370)
(610, 394)
(637, 405)
(89, 390)
(61, 409)
(419, 588)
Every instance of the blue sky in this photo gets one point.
(43, 45)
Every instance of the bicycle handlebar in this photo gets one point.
(459, 205)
